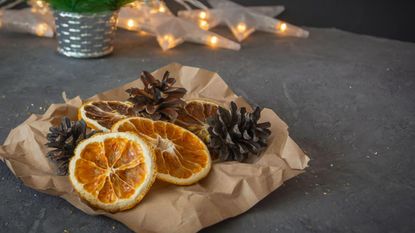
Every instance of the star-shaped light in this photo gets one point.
(169, 29)
(207, 19)
(242, 21)
(36, 20)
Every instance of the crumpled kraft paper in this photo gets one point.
(230, 189)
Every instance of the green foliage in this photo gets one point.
(87, 6)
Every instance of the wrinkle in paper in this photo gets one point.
(230, 189)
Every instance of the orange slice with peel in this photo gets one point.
(182, 158)
(194, 117)
(112, 171)
(102, 115)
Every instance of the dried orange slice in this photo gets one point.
(194, 117)
(102, 115)
(182, 158)
(113, 171)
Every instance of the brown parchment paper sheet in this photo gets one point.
(230, 189)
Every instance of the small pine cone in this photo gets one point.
(64, 139)
(159, 100)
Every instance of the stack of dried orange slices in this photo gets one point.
(113, 170)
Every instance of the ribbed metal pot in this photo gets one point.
(85, 35)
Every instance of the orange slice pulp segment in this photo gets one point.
(182, 158)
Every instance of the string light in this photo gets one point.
(143, 33)
(241, 27)
(130, 24)
(40, 3)
(170, 30)
(39, 6)
(135, 5)
(202, 15)
(282, 27)
(41, 29)
(213, 41)
(168, 38)
(167, 41)
(203, 24)
(162, 9)
(227, 12)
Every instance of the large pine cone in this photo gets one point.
(236, 134)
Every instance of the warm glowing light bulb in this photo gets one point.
(168, 41)
(169, 38)
(40, 3)
(282, 27)
(203, 24)
(241, 27)
(213, 40)
(130, 23)
(202, 15)
(162, 9)
(41, 29)
(143, 33)
(135, 5)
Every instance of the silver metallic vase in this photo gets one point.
(85, 35)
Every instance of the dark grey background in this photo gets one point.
(348, 99)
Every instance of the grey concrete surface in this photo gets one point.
(349, 101)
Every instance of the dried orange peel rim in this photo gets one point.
(140, 192)
(93, 124)
(203, 100)
(166, 177)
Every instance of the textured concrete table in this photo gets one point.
(349, 101)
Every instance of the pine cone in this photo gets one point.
(236, 134)
(158, 100)
(64, 139)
